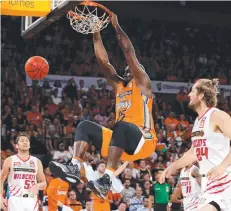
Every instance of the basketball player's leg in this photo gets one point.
(86, 133)
(125, 139)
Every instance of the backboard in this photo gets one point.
(32, 25)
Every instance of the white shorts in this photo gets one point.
(223, 199)
(22, 204)
(191, 202)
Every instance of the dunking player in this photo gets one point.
(189, 187)
(25, 178)
(211, 136)
(133, 136)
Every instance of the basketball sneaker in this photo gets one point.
(67, 172)
(100, 186)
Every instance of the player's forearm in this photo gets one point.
(121, 169)
(123, 40)
(175, 199)
(188, 158)
(100, 51)
(42, 185)
(2, 190)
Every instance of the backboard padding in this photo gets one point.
(30, 29)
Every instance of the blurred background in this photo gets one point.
(177, 42)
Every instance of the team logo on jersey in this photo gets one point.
(61, 192)
(167, 189)
(198, 133)
(17, 164)
(32, 165)
(202, 123)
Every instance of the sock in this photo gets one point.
(76, 161)
(117, 186)
(90, 174)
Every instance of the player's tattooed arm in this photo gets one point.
(177, 195)
(103, 61)
(196, 174)
(138, 71)
(221, 122)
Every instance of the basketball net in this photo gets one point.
(89, 17)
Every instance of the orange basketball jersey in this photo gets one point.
(134, 107)
(100, 204)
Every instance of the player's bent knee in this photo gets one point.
(82, 132)
(89, 132)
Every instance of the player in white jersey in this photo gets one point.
(25, 177)
(211, 137)
(188, 187)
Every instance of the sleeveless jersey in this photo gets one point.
(189, 184)
(211, 148)
(22, 176)
(134, 107)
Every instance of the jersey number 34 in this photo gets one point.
(202, 152)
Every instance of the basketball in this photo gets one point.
(37, 68)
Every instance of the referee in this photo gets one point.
(161, 193)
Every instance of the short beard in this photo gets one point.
(194, 106)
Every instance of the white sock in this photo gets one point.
(117, 186)
(90, 174)
(76, 162)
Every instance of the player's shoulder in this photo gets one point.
(8, 161)
(218, 114)
(12, 157)
(33, 157)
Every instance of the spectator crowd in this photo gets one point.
(50, 113)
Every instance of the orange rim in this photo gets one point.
(90, 3)
(72, 14)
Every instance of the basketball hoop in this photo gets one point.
(89, 17)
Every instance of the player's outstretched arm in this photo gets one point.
(4, 174)
(103, 60)
(188, 158)
(138, 72)
(196, 174)
(222, 121)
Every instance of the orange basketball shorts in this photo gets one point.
(146, 148)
